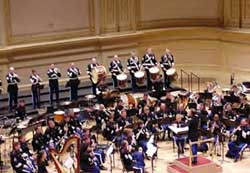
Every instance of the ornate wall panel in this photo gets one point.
(245, 13)
(34, 20)
(160, 13)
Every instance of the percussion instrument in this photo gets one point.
(59, 116)
(139, 77)
(122, 80)
(154, 72)
(98, 74)
(172, 74)
(129, 100)
(76, 111)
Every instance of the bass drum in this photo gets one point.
(98, 74)
(122, 81)
(139, 77)
(172, 74)
(154, 73)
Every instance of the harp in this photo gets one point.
(67, 160)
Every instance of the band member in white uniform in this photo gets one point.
(35, 80)
(53, 74)
(148, 61)
(133, 65)
(12, 79)
(167, 62)
(90, 67)
(115, 69)
(73, 74)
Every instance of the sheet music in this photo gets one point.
(178, 130)
(110, 150)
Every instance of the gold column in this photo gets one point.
(2, 24)
(232, 13)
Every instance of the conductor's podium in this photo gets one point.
(203, 165)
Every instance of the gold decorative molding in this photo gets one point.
(56, 35)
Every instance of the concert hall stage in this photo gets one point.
(203, 165)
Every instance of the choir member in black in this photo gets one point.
(53, 74)
(193, 135)
(131, 161)
(111, 129)
(12, 80)
(52, 134)
(38, 141)
(35, 80)
(21, 162)
(180, 138)
(21, 110)
(142, 135)
(133, 65)
(90, 67)
(42, 162)
(242, 134)
(88, 160)
(148, 61)
(167, 62)
(115, 68)
(73, 74)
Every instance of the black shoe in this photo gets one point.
(103, 168)
(194, 162)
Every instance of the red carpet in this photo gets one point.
(177, 168)
(201, 161)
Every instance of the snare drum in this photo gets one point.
(98, 74)
(122, 81)
(139, 77)
(172, 74)
(154, 72)
(76, 111)
(59, 116)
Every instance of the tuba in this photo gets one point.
(68, 159)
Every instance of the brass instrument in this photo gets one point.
(68, 159)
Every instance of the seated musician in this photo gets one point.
(129, 162)
(24, 146)
(118, 108)
(244, 109)
(111, 129)
(42, 162)
(142, 135)
(242, 134)
(123, 120)
(38, 141)
(65, 127)
(88, 161)
(180, 138)
(229, 113)
(215, 127)
(170, 103)
(203, 115)
(181, 110)
(101, 88)
(157, 87)
(21, 110)
(143, 102)
(21, 162)
(163, 114)
(52, 134)
(101, 116)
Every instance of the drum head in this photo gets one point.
(122, 77)
(76, 110)
(171, 71)
(139, 74)
(59, 113)
(154, 70)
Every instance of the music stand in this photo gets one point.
(151, 151)
(110, 152)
